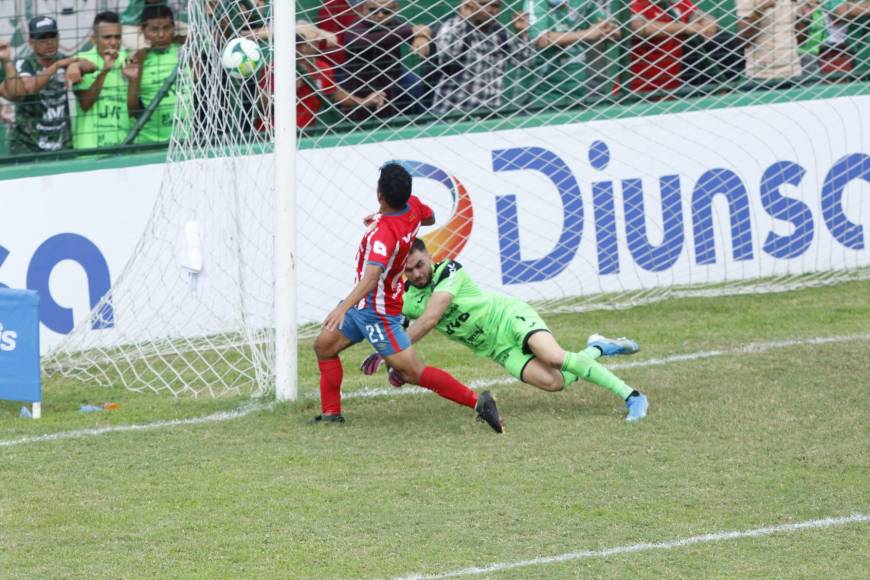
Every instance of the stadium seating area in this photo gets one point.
(375, 64)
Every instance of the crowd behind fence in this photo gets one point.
(375, 63)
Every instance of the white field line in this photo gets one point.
(213, 418)
(644, 546)
(751, 348)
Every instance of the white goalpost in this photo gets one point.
(284, 23)
(563, 173)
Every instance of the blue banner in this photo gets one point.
(19, 346)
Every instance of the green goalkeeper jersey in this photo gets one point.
(474, 318)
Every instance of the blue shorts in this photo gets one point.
(385, 333)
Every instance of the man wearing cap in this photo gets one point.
(37, 87)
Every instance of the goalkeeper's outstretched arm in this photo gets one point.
(438, 304)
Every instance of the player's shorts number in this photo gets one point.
(375, 333)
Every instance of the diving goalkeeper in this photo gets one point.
(507, 330)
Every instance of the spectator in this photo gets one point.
(101, 92)
(316, 90)
(564, 30)
(812, 33)
(7, 67)
(834, 54)
(324, 42)
(769, 29)
(661, 28)
(600, 58)
(373, 59)
(857, 14)
(37, 86)
(336, 17)
(148, 72)
(131, 28)
(473, 52)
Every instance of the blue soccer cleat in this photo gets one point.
(638, 405)
(612, 346)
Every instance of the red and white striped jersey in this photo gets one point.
(386, 244)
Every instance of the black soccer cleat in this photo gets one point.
(487, 411)
(320, 419)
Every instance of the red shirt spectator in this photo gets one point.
(656, 61)
(314, 85)
(336, 16)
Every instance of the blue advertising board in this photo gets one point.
(19, 346)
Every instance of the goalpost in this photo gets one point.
(284, 23)
(575, 180)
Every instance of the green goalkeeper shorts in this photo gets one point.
(518, 322)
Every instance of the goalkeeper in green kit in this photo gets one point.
(507, 330)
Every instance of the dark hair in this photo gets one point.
(108, 17)
(417, 246)
(395, 185)
(154, 11)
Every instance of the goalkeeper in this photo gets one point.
(504, 329)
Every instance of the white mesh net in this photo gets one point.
(578, 154)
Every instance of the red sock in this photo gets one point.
(448, 387)
(330, 386)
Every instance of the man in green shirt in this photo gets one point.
(100, 88)
(502, 328)
(36, 85)
(857, 14)
(148, 72)
(563, 30)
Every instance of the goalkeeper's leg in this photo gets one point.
(584, 365)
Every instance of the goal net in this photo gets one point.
(578, 154)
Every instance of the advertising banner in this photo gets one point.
(541, 213)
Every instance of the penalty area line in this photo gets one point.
(855, 518)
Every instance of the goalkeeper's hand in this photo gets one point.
(371, 364)
(395, 378)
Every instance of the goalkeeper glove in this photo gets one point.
(371, 364)
(395, 378)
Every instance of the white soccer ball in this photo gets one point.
(241, 58)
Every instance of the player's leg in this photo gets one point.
(327, 346)
(412, 369)
(402, 357)
(542, 376)
(524, 367)
(583, 365)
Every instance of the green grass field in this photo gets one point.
(737, 440)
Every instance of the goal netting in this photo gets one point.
(578, 154)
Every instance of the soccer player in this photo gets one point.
(504, 329)
(373, 309)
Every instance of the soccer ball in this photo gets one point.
(241, 58)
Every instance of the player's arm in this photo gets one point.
(335, 319)
(427, 216)
(438, 304)
(88, 95)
